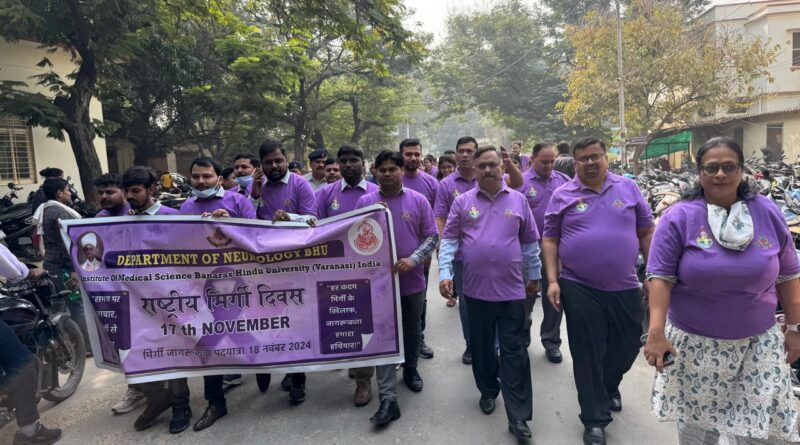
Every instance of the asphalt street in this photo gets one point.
(445, 412)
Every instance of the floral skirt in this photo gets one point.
(735, 387)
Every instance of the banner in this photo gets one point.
(180, 296)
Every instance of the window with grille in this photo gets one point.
(16, 151)
(796, 49)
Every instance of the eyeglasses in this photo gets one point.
(728, 169)
(594, 158)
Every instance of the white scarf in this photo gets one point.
(37, 215)
(732, 230)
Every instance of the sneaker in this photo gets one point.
(231, 380)
(43, 436)
(425, 351)
(133, 399)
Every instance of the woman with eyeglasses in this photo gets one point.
(720, 261)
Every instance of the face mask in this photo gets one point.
(244, 181)
(203, 194)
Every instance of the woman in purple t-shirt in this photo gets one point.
(719, 262)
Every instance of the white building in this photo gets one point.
(773, 119)
(25, 150)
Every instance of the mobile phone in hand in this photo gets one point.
(668, 358)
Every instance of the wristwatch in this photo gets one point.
(793, 327)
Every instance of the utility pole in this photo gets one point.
(622, 130)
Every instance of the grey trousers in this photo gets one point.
(689, 434)
(387, 382)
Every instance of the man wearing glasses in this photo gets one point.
(595, 226)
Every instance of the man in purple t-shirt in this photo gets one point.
(283, 196)
(416, 179)
(416, 238)
(139, 184)
(595, 227)
(109, 193)
(342, 197)
(538, 184)
(244, 166)
(496, 233)
(279, 194)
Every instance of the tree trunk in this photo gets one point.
(300, 123)
(355, 137)
(78, 126)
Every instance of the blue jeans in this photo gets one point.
(20, 375)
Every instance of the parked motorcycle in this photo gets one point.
(38, 315)
(17, 231)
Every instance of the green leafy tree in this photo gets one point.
(94, 33)
(675, 69)
(498, 62)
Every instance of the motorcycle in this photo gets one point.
(17, 231)
(38, 315)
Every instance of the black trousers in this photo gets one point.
(176, 389)
(603, 330)
(411, 307)
(506, 320)
(550, 330)
(20, 375)
(424, 313)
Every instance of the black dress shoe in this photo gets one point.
(487, 405)
(594, 435)
(554, 355)
(263, 381)
(286, 383)
(466, 357)
(297, 394)
(519, 428)
(181, 415)
(616, 404)
(154, 408)
(425, 351)
(387, 412)
(412, 379)
(212, 414)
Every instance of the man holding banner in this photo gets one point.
(416, 238)
(209, 199)
(284, 196)
(341, 197)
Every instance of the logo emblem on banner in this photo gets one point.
(218, 239)
(365, 236)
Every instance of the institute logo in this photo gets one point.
(618, 204)
(365, 236)
(473, 212)
(288, 202)
(406, 216)
(456, 193)
(704, 241)
(581, 206)
(532, 192)
(764, 243)
(335, 204)
(508, 213)
(218, 238)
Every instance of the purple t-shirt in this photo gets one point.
(538, 192)
(413, 222)
(332, 200)
(722, 293)
(423, 184)
(490, 232)
(598, 242)
(448, 190)
(237, 205)
(294, 196)
(123, 211)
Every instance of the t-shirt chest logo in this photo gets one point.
(581, 206)
(288, 202)
(764, 243)
(508, 213)
(532, 192)
(704, 241)
(406, 216)
(335, 204)
(618, 204)
(473, 212)
(456, 193)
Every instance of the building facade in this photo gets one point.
(25, 150)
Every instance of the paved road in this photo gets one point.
(446, 412)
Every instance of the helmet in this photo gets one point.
(792, 199)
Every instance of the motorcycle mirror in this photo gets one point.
(11, 185)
